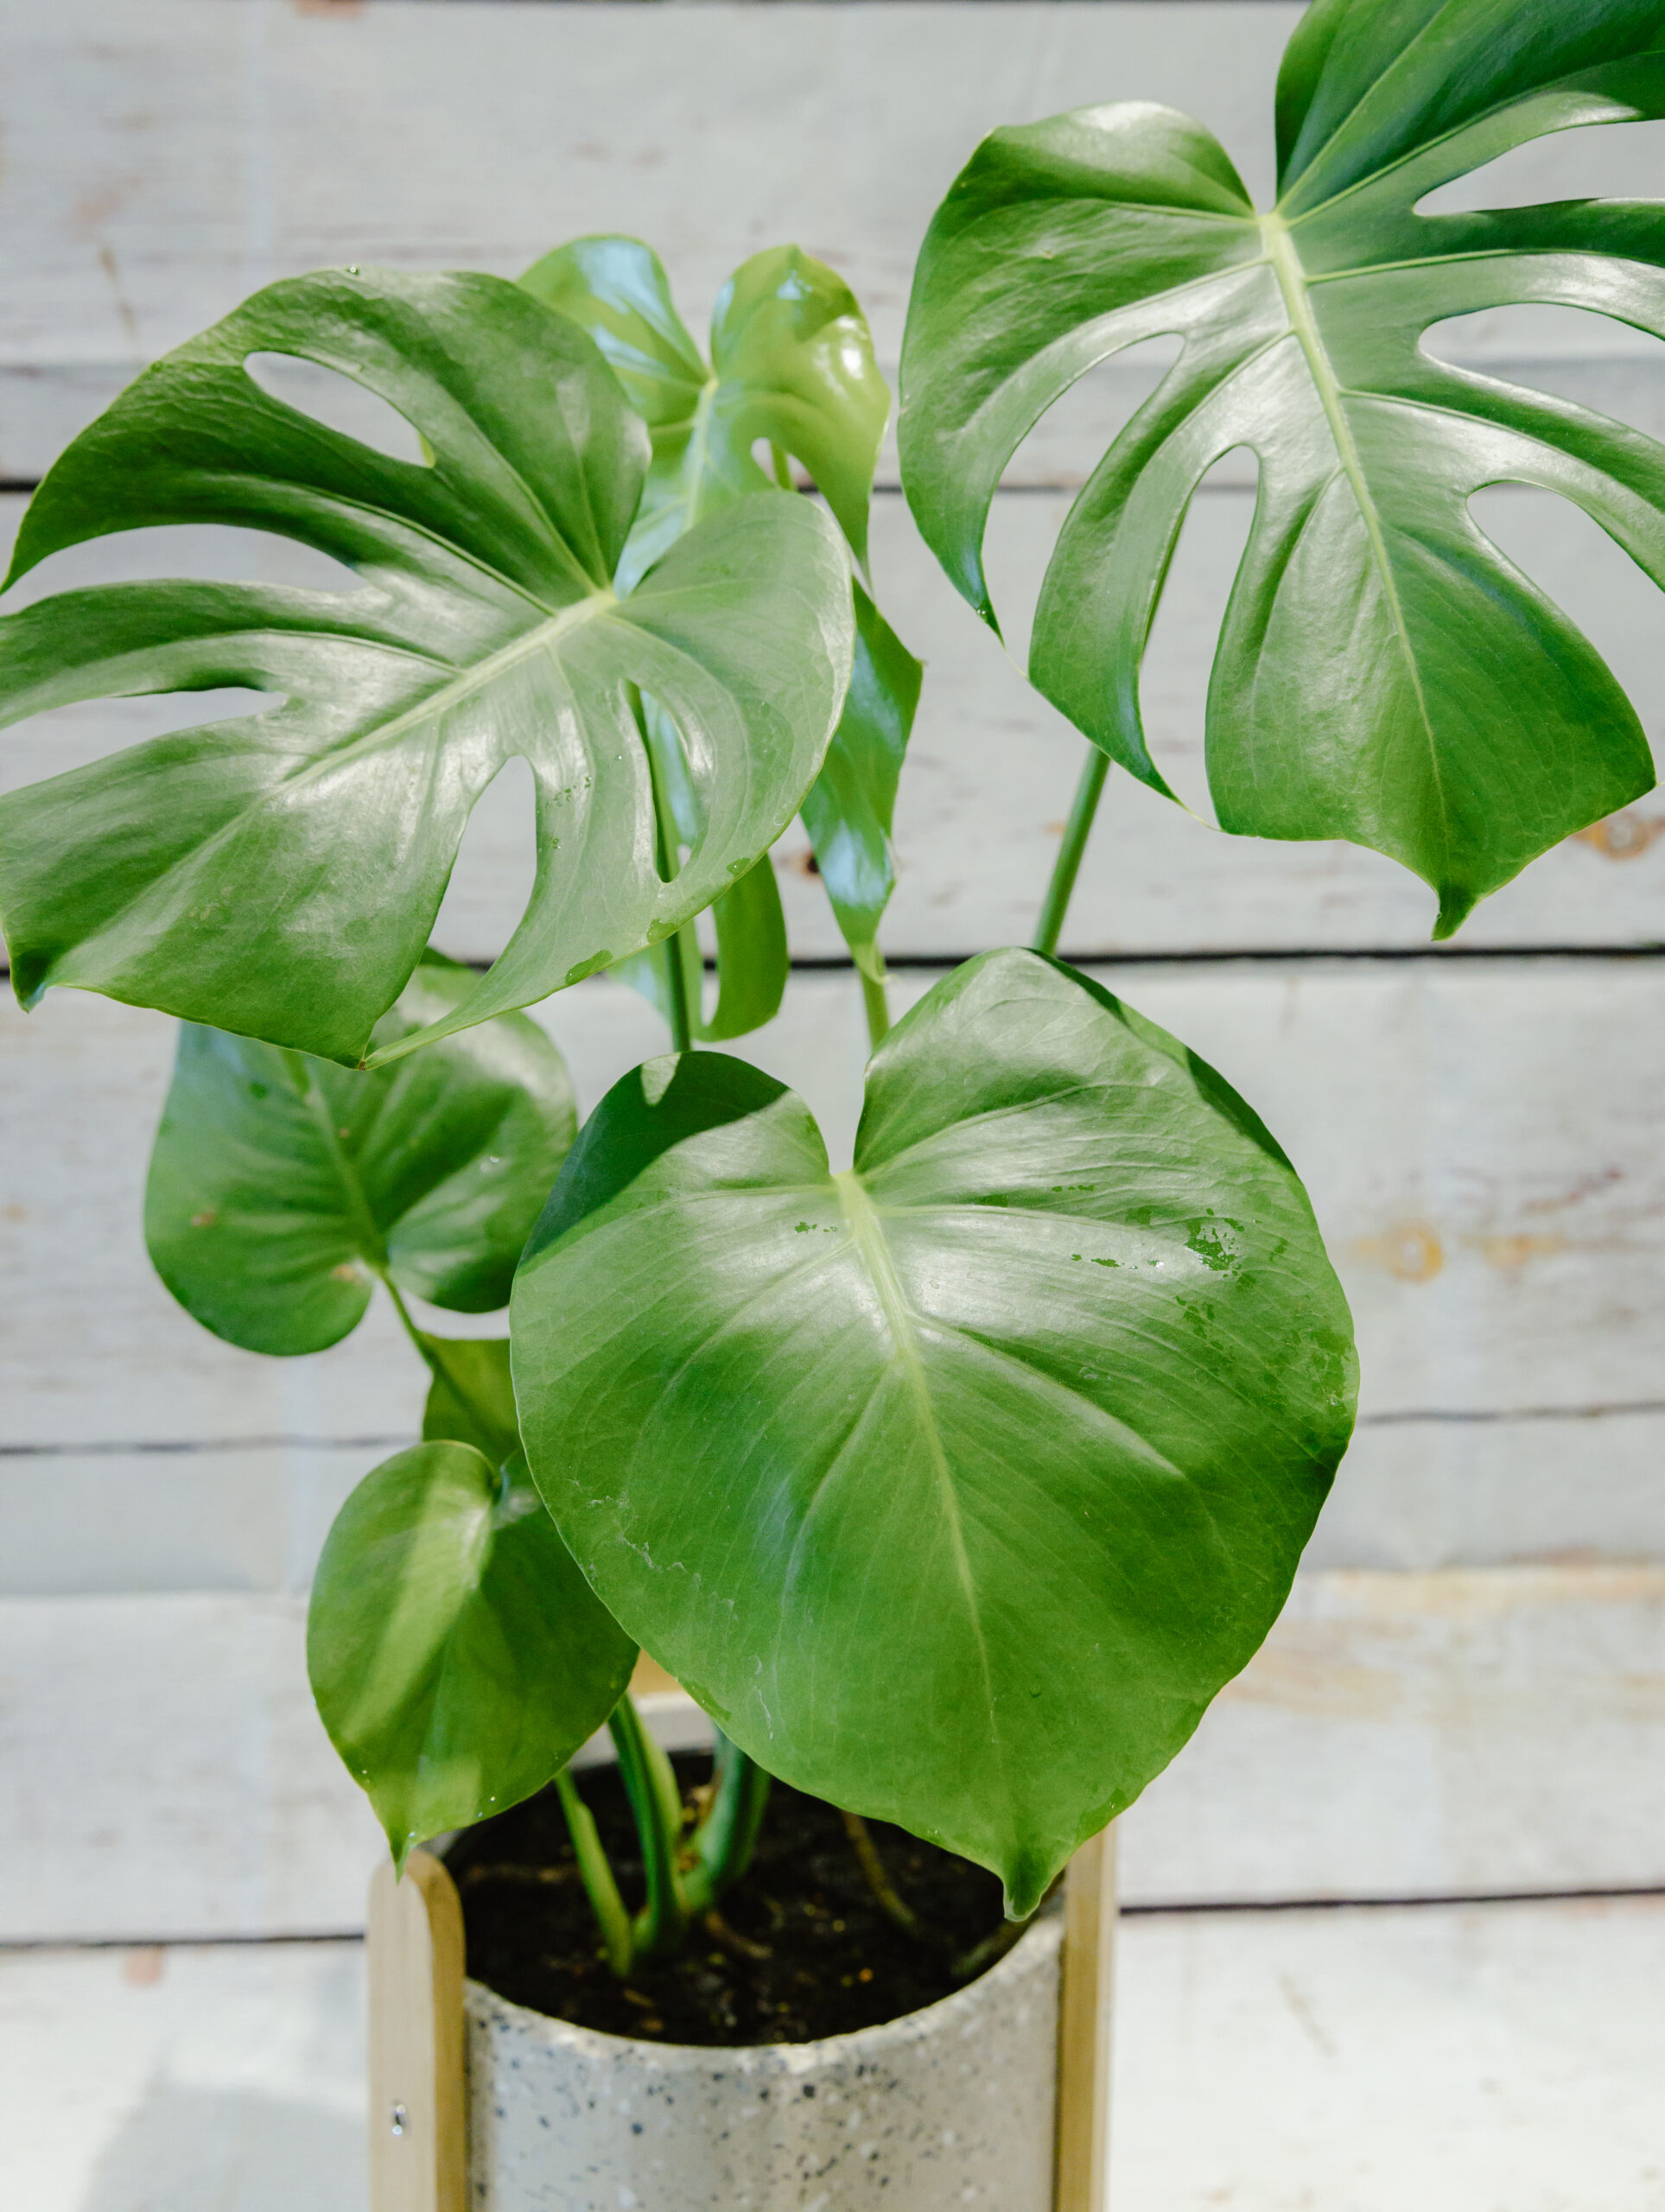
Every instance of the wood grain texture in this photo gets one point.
(1086, 2015)
(1479, 1139)
(418, 2147)
(1464, 1733)
(164, 161)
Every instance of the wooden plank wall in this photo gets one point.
(1467, 1696)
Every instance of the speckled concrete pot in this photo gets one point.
(951, 2107)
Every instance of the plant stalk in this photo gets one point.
(1067, 866)
(888, 1899)
(656, 1807)
(682, 1027)
(421, 1343)
(596, 1875)
(725, 1839)
(875, 1001)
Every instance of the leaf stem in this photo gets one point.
(596, 1874)
(675, 982)
(725, 1838)
(876, 1001)
(483, 1420)
(1067, 866)
(656, 1807)
(890, 1901)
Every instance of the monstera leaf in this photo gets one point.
(278, 874)
(955, 1485)
(1384, 673)
(791, 361)
(282, 1186)
(457, 1657)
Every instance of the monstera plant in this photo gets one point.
(955, 1483)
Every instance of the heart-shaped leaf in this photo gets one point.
(791, 361)
(282, 1186)
(954, 1486)
(1384, 674)
(458, 1657)
(279, 874)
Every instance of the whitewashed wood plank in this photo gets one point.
(168, 1776)
(992, 765)
(1479, 1139)
(1404, 1735)
(220, 2079)
(1481, 2058)
(165, 162)
(189, 1516)
(1401, 1735)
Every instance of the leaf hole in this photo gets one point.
(496, 867)
(798, 478)
(1602, 159)
(1185, 635)
(1038, 487)
(340, 403)
(1575, 562)
(1570, 353)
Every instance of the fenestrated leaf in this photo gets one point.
(1384, 674)
(793, 362)
(471, 1398)
(955, 1485)
(458, 1657)
(279, 874)
(280, 1185)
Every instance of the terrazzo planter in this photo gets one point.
(997, 2095)
(951, 2107)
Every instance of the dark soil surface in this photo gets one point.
(801, 1950)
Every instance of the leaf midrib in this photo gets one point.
(1290, 276)
(869, 1238)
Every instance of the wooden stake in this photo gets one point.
(418, 2161)
(1084, 2022)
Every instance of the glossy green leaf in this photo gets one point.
(793, 363)
(458, 1657)
(953, 1487)
(847, 810)
(753, 962)
(279, 874)
(471, 1398)
(1384, 673)
(281, 1186)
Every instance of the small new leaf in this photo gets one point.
(282, 1186)
(457, 1657)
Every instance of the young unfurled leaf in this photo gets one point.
(278, 874)
(1385, 673)
(955, 1487)
(457, 1655)
(280, 1186)
(791, 362)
